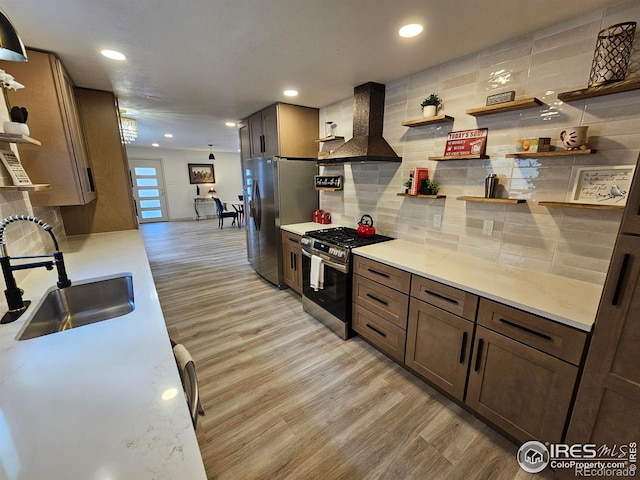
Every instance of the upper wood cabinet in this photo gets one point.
(113, 209)
(62, 160)
(282, 130)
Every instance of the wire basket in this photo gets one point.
(613, 51)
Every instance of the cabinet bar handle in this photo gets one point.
(376, 330)
(463, 348)
(620, 282)
(378, 273)
(478, 355)
(377, 299)
(446, 299)
(291, 259)
(294, 240)
(526, 329)
(92, 186)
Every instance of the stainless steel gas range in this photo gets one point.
(331, 304)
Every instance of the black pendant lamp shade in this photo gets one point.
(211, 155)
(11, 47)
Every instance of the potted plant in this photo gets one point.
(407, 186)
(429, 187)
(430, 105)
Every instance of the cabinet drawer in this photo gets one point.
(292, 239)
(384, 301)
(379, 272)
(445, 297)
(545, 335)
(383, 334)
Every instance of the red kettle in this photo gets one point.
(365, 227)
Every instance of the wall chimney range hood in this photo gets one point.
(367, 144)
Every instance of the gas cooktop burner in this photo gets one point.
(345, 237)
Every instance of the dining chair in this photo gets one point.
(224, 213)
(187, 370)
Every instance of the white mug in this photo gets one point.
(574, 137)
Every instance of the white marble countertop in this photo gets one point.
(301, 228)
(87, 403)
(567, 301)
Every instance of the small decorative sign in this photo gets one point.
(603, 185)
(501, 97)
(466, 142)
(328, 182)
(14, 167)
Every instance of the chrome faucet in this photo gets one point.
(16, 304)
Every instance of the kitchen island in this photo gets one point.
(102, 401)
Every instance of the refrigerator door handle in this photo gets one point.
(257, 218)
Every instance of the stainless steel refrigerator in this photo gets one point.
(277, 192)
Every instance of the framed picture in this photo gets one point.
(603, 185)
(201, 173)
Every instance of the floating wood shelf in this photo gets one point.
(491, 200)
(588, 206)
(26, 188)
(420, 196)
(329, 139)
(617, 87)
(552, 153)
(460, 157)
(505, 107)
(18, 138)
(428, 121)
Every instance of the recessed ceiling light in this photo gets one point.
(168, 135)
(113, 55)
(155, 144)
(230, 124)
(291, 93)
(410, 30)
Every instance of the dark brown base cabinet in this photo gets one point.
(607, 409)
(519, 389)
(292, 261)
(439, 347)
(380, 304)
(514, 369)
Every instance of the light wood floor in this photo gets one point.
(284, 397)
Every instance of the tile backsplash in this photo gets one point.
(569, 242)
(25, 238)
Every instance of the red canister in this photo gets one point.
(316, 215)
(325, 218)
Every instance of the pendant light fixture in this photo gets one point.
(211, 155)
(11, 47)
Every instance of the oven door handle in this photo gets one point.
(328, 263)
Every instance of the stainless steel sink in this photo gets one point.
(81, 304)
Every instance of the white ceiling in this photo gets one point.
(193, 65)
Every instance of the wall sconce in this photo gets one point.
(11, 47)
(211, 155)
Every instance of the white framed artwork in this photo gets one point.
(606, 185)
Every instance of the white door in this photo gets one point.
(148, 190)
